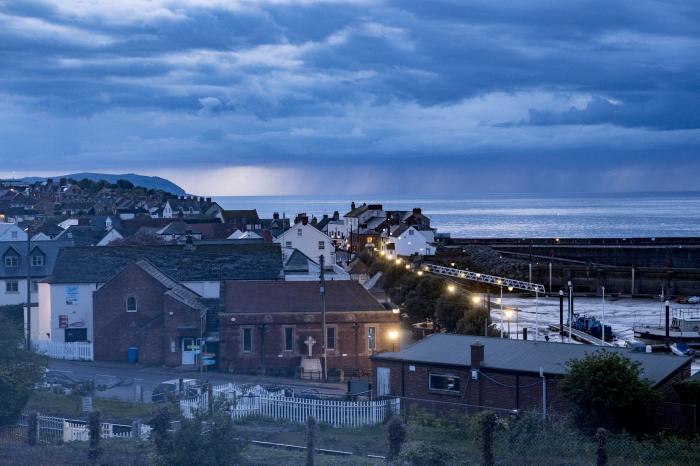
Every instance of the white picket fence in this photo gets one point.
(258, 402)
(73, 431)
(77, 351)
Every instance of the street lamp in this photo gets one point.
(476, 299)
(451, 288)
(393, 336)
(509, 315)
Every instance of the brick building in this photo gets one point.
(498, 373)
(144, 308)
(265, 326)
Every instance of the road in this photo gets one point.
(109, 373)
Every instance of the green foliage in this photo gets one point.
(396, 431)
(420, 301)
(212, 444)
(688, 391)
(94, 426)
(20, 370)
(607, 391)
(311, 438)
(450, 308)
(160, 423)
(474, 321)
(426, 454)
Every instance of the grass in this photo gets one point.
(68, 406)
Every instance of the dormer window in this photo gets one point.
(37, 260)
(11, 262)
(131, 305)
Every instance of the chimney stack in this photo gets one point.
(417, 210)
(477, 355)
(276, 216)
(352, 205)
(336, 215)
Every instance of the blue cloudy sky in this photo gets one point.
(356, 96)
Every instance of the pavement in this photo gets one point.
(126, 375)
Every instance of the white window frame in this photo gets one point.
(12, 286)
(372, 338)
(136, 304)
(37, 260)
(447, 376)
(14, 260)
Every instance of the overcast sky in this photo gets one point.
(355, 97)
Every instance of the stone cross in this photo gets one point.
(310, 343)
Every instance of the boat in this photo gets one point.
(592, 326)
(684, 327)
(681, 349)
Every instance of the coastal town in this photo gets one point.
(189, 301)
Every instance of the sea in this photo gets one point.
(619, 215)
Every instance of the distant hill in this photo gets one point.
(148, 182)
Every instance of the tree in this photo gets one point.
(474, 321)
(396, 430)
(607, 391)
(95, 434)
(450, 308)
(420, 302)
(125, 185)
(20, 370)
(160, 424)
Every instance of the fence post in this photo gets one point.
(33, 429)
(602, 452)
(488, 425)
(311, 432)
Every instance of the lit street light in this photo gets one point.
(451, 288)
(509, 315)
(393, 336)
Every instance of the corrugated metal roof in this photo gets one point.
(524, 356)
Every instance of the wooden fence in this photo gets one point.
(258, 402)
(77, 351)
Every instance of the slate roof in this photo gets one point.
(302, 296)
(83, 235)
(524, 356)
(357, 211)
(175, 290)
(49, 248)
(206, 262)
(241, 216)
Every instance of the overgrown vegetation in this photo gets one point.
(427, 297)
(607, 390)
(20, 370)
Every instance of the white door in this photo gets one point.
(383, 381)
(188, 352)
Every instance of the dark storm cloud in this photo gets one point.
(451, 85)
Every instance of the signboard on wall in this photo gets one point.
(71, 295)
(63, 321)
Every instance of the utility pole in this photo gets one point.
(603, 318)
(561, 315)
(29, 290)
(571, 305)
(323, 317)
(667, 305)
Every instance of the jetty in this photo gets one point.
(578, 335)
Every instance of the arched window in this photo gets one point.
(130, 304)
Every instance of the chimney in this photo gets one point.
(189, 241)
(304, 220)
(477, 355)
(336, 215)
(209, 199)
(201, 199)
(276, 216)
(325, 216)
(314, 220)
(417, 210)
(352, 205)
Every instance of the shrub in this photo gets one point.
(426, 454)
(396, 430)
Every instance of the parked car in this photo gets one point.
(176, 389)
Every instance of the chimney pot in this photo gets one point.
(477, 354)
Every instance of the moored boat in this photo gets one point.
(684, 327)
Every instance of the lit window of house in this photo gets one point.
(372, 338)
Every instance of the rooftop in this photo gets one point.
(206, 262)
(524, 356)
(302, 296)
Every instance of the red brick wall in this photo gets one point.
(151, 328)
(352, 349)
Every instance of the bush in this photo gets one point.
(607, 391)
(426, 454)
(396, 430)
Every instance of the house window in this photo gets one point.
(12, 286)
(298, 231)
(131, 304)
(11, 262)
(444, 382)
(288, 244)
(35, 286)
(321, 245)
(37, 260)
(289, 338)
(410, 232)
(372, 338)
(247, 339)
(330, 338)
